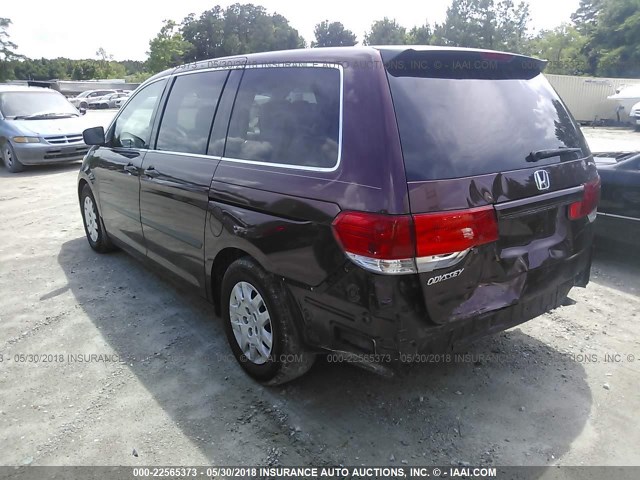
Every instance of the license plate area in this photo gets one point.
(524, 221)
(526, 227)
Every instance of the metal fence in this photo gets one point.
(587, 99)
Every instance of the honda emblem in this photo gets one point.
(542, 179)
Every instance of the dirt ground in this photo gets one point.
(162, 388)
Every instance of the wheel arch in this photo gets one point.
(221, 263)
(83, 180)
(81, 183)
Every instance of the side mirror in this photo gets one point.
(82, 110)
(94, 136)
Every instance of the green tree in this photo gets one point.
(614, 47)
(167, 49)
(586, 16)
(106, 67)
(137, 77)
(85, 70)
(132, 67)
(204, 33)
(500, 25)
(467, 24)
(7, 50)
(422, 35)
(386, 32)
(563, 48)
(103, 55)
(512, 22)
(332, 34)
(66, 69)
(238, 29)
(78, 72)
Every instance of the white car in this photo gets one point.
(635, 116)
(108, 101)
(118, 102)
(82, 100)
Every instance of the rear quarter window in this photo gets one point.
(287, 116)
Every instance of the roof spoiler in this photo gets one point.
(459, 63)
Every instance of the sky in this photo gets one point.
(74, 29)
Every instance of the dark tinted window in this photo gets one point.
(132, 128)
(223, 112)
(288, 116)
(189, 112)
(471, 126)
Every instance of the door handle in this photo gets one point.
(150, 171)
(131, 168)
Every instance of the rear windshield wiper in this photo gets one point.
(554, 152)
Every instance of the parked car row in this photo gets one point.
(109, 101)
(100, 99)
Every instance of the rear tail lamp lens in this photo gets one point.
(388, 237)
(587, 206)
(392, 243)
(449, 232)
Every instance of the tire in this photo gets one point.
(287, 358)
(10, 159)
(84, 105)
(93, 225)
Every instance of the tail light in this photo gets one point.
(396, 244)
(380, 243)
(589, 203)
(450, 232)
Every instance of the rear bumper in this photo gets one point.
(42, 153)
(364, 313)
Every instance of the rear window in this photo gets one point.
(468, 115)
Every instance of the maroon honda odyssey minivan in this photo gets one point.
(375, 203)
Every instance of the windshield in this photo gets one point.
(458, 123)
(28, 104)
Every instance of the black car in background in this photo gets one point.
(619, 208)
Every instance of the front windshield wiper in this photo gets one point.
(38, 116)
(554, 152)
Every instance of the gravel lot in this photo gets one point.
(163, 389)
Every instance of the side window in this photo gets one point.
(189, 112)
(288, 116)
(132, 128)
